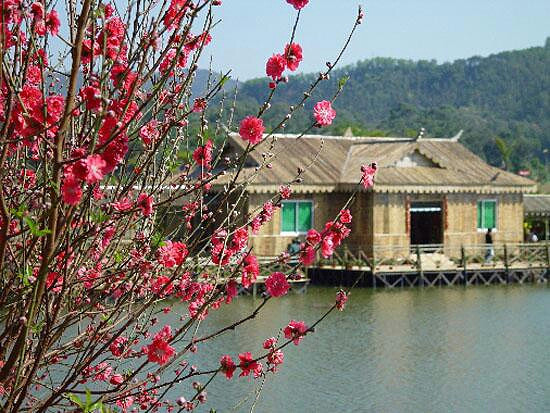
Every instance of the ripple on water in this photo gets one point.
(415, 350)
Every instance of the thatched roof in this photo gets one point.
(405, 165)
(537, 205)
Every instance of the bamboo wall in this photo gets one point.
(269, 241)
(380, 219)
(459, 219)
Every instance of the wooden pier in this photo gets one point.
(296, 286)
(298, 283)
(436, 265)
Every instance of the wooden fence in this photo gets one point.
(438, 256)
(430, 265)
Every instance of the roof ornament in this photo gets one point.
(421, 133)
(348, 133)
(457, 136)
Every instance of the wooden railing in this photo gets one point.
(438, 256)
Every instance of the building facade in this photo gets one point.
(427, 191)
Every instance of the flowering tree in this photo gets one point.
(94, 148)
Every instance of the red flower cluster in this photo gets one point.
(145, 204)
(270, 343)
(92, 168)
(295, 330)
(264, 216)
(285, 191)
(250, 270)
(112, 36)
(248, 364)
(162, 286)
(275, 66)
(324, 113)
(159, 351)
(240, 239)
(44, 23)
(54, 280)
(298, 4)
(149, 132)
(203, 154)
(231, 291)
(277, 285)
(118, 346)
(368, 172)
(176, 12)
(274, 357)
(345, 216)
(172, 253)
(330, 238)
(91, 95)
(307, 254)
(341, 299)
(228, 367)
(291, 58)
(252, 129)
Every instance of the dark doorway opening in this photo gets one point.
(426, 223)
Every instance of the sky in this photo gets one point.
(445, 30)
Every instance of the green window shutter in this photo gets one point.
(288, 217)
(489, 214)
(479, 212)
(304, 216)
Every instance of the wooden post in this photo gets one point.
(506, 264)
(419, 266)
(373, 269)
(346, 257)
(463, 259)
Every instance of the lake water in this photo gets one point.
(476, 349)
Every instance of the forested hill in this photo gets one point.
(504, 96)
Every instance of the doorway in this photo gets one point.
(426, 223)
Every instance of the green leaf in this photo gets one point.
(156, 240)
(33, 226)
(98, 216)
(95, 406)
(224, 80)
(342, 82)
(88, 398)
(20, 211)
(36, 328)
(25, 276)
(75, 399)
(118, 257)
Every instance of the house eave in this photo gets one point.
(385, 188)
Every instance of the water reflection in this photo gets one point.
(417, 350)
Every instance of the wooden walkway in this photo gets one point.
(434, 265)
(296, 286)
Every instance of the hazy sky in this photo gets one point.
(445, 30)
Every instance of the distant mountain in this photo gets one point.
(204, 79)
(505, 96)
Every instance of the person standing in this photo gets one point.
(489, 242)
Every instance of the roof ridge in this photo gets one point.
(345, 164)
(353, 139)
